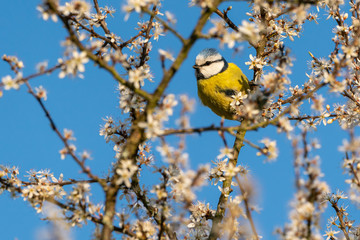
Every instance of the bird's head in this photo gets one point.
(208, 63)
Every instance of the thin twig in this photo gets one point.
(102, 21)
(247, 207)
(145, 51)
(165, 24)
(340, 216)
(64, 183)
(224, 16)
(63, 139)
(31, 76)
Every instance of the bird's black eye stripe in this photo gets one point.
(208, 63)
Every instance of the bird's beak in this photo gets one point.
(196, 66)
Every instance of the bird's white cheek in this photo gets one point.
(207, 71)
(213, 69)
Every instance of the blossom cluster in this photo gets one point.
(43, 187)
(154, 122)
(308, 203)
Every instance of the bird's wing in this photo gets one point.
(227, 91)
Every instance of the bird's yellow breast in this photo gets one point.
(214, 91)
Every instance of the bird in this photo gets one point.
(219, 82)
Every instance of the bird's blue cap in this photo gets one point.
(207, 52)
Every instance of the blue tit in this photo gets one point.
(218, 81)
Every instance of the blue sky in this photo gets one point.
(27, 141)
